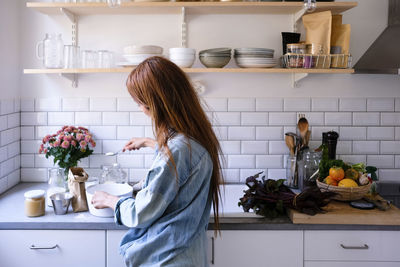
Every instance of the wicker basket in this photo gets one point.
(345, 193)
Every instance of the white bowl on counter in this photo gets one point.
(119, 190)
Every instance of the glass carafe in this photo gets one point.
(56, 183)
(113, 174)
(50, 50)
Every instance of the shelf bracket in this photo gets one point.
(73, 77)
(296, 17)
(74, 20)
(184, 28)
(296, 77)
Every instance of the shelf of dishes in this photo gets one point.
(197, 7)
(192, 70)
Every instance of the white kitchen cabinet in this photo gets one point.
(256, 248)
(352, 246)
(49, 248)
(350, 264)
(114, 259)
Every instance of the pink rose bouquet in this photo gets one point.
(68, 146)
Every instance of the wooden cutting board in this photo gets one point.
(342, 213)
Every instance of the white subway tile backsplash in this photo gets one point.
(14, 149)
(338, 118)
(397, 133)
(353, 159)
(366, 118)
(397, 162)
(128, 132)
(277, 147)
(3, 153)
(27, 104)
(353, 133)
(148, 160)
(254, 147)
(254, 118)
(104, 132)
(390, 147)
(42, 162)
(33, 118)
(297, 104)
(139, 118)
(381, 161)
(88, 118)
(386, 175)
(241, 133)
(96, 161)
(127, 104)
(276, 174)
(131, 161)
(324, 104)
(241, 161)
(148, 132)
(316, 132)
(115, 118)
(3, 184)
(13, 178)
(221, 132)
(269, 161)
(30, 147)
(365, 147)
(13, 120)
(215, 104)
(344, 147)
(27, 161)
(245, 173)
(112, 145)
(231, 175)
(269, 133)
(226, 118)
(352, 104)
(380, 104)
(47, 104)
(9, 136)
(313, 118)
(390, 119)
(17, 162)
(61, 118)
(3, 123)
(230, 147)
(269, 104)
(75, 104)
(17, 105)
(6, 167)
(33, 175)
(241, 104)
(397, 105)
(42, 131)
(7, 106)
(136, 175)
(380, 133)
(98, 149)
(282, 118)
(103, 104)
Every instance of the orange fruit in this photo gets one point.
(336, 173)
(330, 181)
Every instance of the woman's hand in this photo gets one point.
(101, 200)
(138, 143)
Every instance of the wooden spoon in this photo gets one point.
(289, 139)
(302, 125)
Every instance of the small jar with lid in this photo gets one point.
(34, 203)
(296, 48)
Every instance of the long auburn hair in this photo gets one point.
(164, 89)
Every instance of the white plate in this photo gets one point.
(256, 65)
(125, 64)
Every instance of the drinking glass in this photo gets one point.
(71, 56)
(89, 59)
(310, 5)
(104, 59)
(114, 3)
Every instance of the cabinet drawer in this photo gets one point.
(352, 245)
(113, 240)
(350, 264)
(61, 248)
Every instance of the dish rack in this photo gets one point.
(310, 61)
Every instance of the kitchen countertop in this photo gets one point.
(12, 217)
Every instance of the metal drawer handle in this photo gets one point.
(212, 251)
(355, 247)
(35, 247)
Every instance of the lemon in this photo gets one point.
(347, 182)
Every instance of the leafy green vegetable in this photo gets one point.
(372, 170)
(326, 164)
(360, 167)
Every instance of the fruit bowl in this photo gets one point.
(345, 193)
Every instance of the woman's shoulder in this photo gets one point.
(183, 146)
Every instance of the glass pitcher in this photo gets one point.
(50, 50)
(56, 184)
(113, 174)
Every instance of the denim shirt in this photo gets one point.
(169, 216)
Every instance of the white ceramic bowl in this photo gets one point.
(118, 190)
(183, 63)
(143, 49)
(182, 50)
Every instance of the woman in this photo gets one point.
(169, 215)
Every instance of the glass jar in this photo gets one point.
(113, 174)
(50, 50)
(291, 174)
(56, 184)
(311, 162)
(34, 203)
(296, 48)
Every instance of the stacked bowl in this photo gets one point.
(135, 54)
(255, 57)
(215, 58)
(183, 57)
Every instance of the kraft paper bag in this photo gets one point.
(76, 184)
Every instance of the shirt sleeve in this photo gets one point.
(150, 202)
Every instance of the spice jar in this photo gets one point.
(296, 48)
(34, 203)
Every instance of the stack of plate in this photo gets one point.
(255, 57)
(135, 54)
(215, 58)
